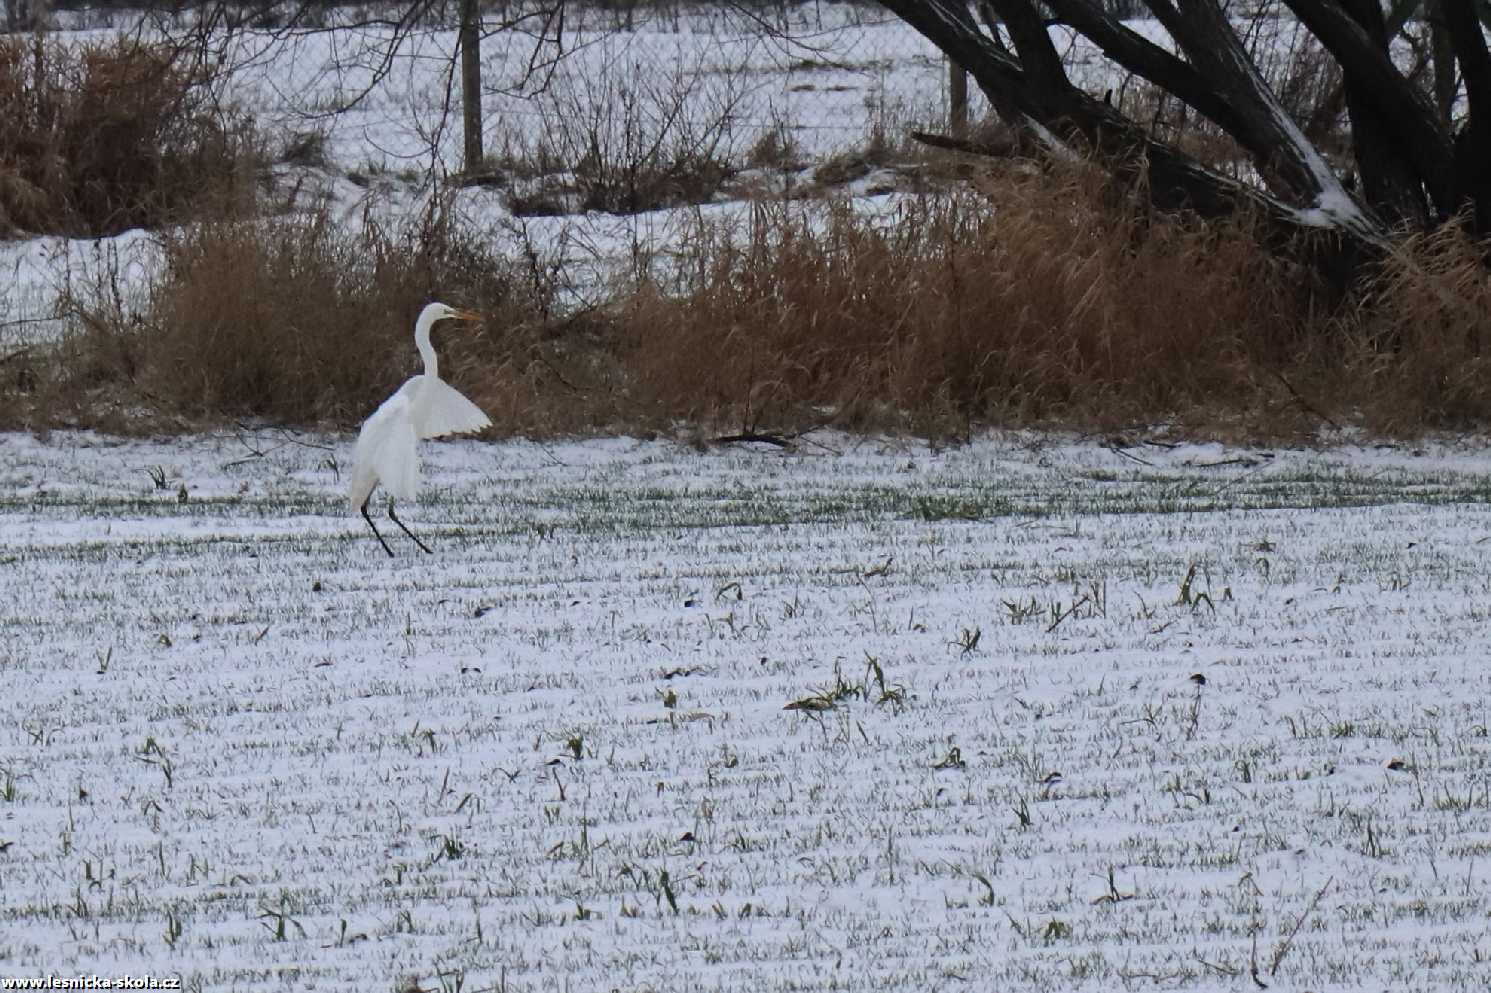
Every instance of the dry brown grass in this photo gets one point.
(1050, 298)
(1037, 299)
(290, 320)
(100, 137)
(1421, 351)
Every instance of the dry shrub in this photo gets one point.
(101, 137)
(25, 385)
(1421, 356)
(1043, 298)
(1040, 298)
(643, 140)
(294, 320)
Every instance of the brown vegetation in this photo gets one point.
(1049, 298)
(293, 320)
(1036, 299)
(1042, 297)
(1421, 354)
(100, 137)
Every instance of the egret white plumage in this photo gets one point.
(424, 407)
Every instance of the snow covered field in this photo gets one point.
(1029, 715)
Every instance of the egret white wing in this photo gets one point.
(371, 439)
(386, 452)
(441, 409)
(363, 480)
(397, 460)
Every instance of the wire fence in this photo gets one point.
(824, 76)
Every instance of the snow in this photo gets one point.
(40, 271)
(245, 748)
(1334, 208)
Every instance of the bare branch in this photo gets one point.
(1404, 106)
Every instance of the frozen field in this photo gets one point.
(863, 717)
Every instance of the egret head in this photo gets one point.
(440, 312)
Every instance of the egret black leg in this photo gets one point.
(375, 529)
(394, 518)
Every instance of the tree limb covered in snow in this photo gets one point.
(1384, 100)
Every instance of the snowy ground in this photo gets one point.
(243, 746)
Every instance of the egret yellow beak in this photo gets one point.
(468, 315)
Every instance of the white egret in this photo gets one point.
(424, 407)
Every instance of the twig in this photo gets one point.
(20, 322)
(1253, 963)
(1283, 949)
(749, 436)
(997, 149)
(1225, 970)
(1307, 405)
(1068, 613)
(1128, 455)
(246, 438)
(1240, 460)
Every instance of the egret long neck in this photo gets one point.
(426, 350)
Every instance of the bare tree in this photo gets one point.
(1411, 161)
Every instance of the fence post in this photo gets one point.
(471, 123)
(957, 88)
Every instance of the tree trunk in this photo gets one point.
(957, 100)
(1473, 143)
(1442, 51)
(1287, 160)
(471, 120)
(1040, 91)
(1390, 181)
